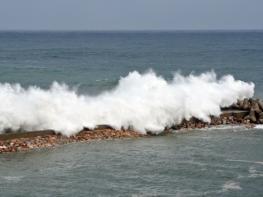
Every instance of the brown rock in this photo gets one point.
(252, 116)
(246, 104)
(260, 103)
(240, 104)
(234, 106)
(255, 107)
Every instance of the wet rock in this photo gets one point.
(247, 121)
(251, 113)
(260, 103)
(3, 147)
(247, 117)
(255, 107)
(240, 104)
(246, 104)
(23, 144)
(225, 120)
(234, 106)
(252, 116)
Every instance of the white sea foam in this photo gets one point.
(246, 161)
(259, 126)
(253, 173)
(231, 185)
(143, 101)
(13, 178)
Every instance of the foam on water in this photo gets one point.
(144, 101)
(246, 161)
(254, 173)
(231, 185)
(258, 126)
(12, 178)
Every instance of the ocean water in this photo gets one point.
(221, 162)
(94, 61)
(97, 68)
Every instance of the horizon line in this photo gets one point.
(130, 30)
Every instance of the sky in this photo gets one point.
(131, 14)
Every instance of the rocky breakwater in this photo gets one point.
(245, 112)
(254, 107)
(45, 139)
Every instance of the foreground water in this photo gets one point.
(217, 162)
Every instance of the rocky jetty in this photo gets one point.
(14, 143)
(253, 106)
(245, 112)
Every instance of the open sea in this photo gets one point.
(214, 162)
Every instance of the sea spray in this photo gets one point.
(141, 101)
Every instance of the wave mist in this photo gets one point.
(142, 101)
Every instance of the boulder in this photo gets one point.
(255, 107)
(260, 115)
(246, 104)
(240, 104)
(252, 116)
(234, 106)
(260, 103)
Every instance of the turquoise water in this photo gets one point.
(219, 162)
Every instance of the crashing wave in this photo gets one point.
(141, 101)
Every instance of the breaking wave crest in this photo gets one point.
(144, 101)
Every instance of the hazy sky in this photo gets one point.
(130, 14)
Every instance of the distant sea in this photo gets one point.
(94, 61)
(225, 161)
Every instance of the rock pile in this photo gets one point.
(253, 106)
(224, 119)
(51, 140)
(246, 112)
